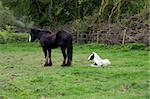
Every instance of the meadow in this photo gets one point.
(22, 75)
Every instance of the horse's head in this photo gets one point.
(32, 35)
(91, 57)
(37, 33)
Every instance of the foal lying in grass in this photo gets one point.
(98, 62)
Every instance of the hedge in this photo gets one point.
(6, 37)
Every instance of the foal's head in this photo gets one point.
(91, 57)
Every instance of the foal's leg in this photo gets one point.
(50, 61)
(64, 55)
(46, 58)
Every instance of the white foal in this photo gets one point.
(98, 62)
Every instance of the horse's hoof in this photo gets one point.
(68, 64)
(46, 65)
(50, 64)
(63, 65)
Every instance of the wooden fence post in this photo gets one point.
(77, 37)
(97, 39)
(124, 36)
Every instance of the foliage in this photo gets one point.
(55, 12)
(16, 37)
(132, 46)
(6, 37)
(135, 46)
(22, 74)
(78, 15)
(3, 37)
(6, 16)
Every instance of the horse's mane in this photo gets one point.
(41, 30)
(63, 30)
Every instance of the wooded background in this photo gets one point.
(101, 21)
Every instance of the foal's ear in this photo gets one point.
(93, 52)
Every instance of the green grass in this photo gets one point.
(22, 74)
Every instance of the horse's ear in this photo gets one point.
(49, 32)
(32, 29)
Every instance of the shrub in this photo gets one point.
(17, 37)
(6, 16)
(3, 37)
(6, 37)
(133, 46)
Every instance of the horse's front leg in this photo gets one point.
(50, 61)
(64, 55)
(46, 57)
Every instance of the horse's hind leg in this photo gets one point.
(69, 53)
(50, 61)
(63, 49)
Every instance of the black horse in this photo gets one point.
(50, 40)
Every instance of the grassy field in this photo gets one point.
(22, 74)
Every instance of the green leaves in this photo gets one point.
(54, 12)
(6, 16)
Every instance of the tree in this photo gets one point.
(6, 16)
